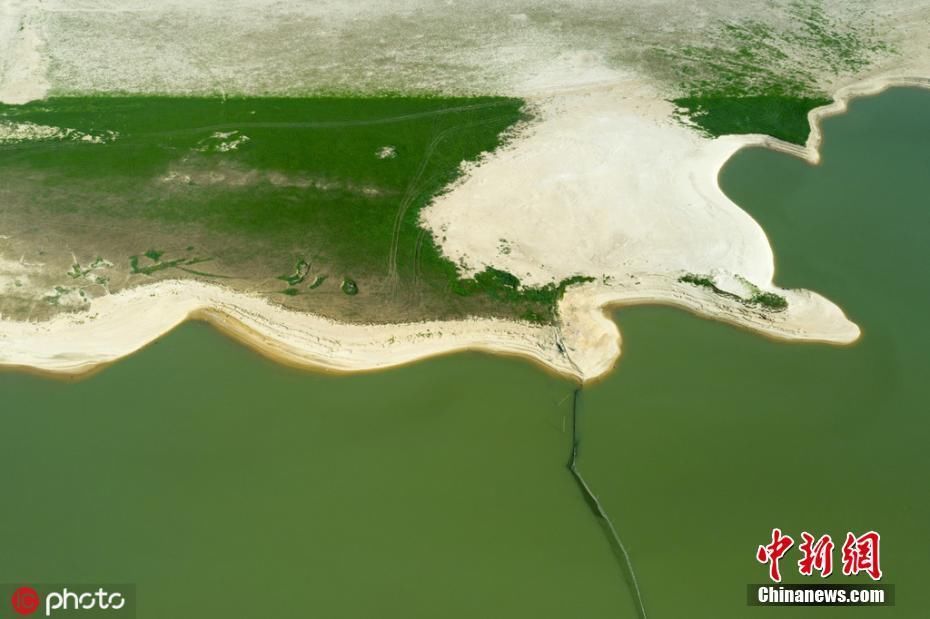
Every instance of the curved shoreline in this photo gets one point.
(97, 340)
(79, 343)
(585, 346)
(871, 87)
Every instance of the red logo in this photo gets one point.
(772, 553)
(860, 554)
(25, 600)
(818, 555)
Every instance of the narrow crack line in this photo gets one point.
(599, 510)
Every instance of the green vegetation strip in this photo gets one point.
(768, 300)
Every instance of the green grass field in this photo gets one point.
(290, 197)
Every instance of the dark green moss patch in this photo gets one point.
(779, 116)
(770, 300)
(349, 286)
(77, 271)
(301, 269)
(767, 300)
(137, 268)
(698, 280)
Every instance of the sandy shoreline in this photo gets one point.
(122, 323)
(810, 152)
(586, 345)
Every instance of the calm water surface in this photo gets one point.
(225, 486)
(707, 437)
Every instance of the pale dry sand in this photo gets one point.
(120, 324)
(23, 67)
(604, 183)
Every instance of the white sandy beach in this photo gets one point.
(605, 183)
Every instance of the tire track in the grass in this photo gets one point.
(414, 190)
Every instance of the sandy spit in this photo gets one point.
(688, 226)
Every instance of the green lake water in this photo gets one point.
(222, 485)
(706, 437)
